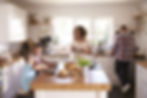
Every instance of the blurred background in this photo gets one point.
(52, 24)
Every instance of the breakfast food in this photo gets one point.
(63, 74)
(83, 62)
(71, 66)
(73, 69)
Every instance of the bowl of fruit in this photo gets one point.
(84, 62)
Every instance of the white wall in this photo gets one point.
(144, 5)
(143, 34)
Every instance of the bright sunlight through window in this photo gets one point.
(100, 30)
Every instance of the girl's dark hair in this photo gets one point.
(83, 32)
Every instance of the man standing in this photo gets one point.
(123, 51)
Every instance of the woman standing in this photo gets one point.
(80, 44)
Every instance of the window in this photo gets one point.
(100, 30)
(86, 23)
(62, 28)
(103, 32)
(17, 29)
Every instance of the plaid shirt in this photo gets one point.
(124, 47)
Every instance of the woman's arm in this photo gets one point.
(88, 50)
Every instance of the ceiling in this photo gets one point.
(75, 1)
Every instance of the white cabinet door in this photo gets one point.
(17, 25)
(141, 82)
(3, 23)
(12, 23)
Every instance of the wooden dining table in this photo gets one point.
(48, 86)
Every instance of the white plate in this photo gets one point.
(62, 80)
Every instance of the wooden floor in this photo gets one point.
(116, 93)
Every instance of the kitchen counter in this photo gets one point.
(10, 77)
(143, 64)
(141, 80)
(6, 64)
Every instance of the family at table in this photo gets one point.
(35, 64)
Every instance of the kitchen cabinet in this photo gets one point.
(0, 82)
(141, 80)
(11, 78)
(12, 23)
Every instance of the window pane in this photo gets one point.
(87, 24)
(103, 31)
(62, 28)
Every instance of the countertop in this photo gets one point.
(5, 64)
(143, 63)
(43, 82)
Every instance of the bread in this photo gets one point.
(63, 73)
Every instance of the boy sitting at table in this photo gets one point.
(39, 64)
(28, 75)
(33, 66)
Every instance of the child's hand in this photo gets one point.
(41, 67)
